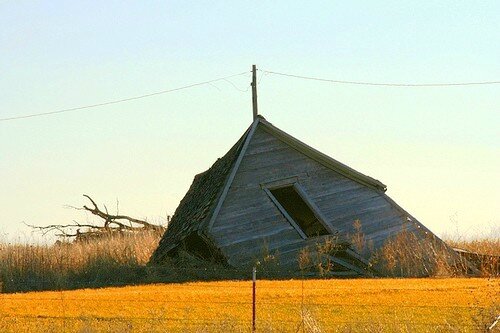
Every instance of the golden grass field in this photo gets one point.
(368, 305)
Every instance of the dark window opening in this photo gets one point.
(299, 211)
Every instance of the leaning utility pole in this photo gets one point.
(254, 92)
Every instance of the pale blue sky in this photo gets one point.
(437, 149)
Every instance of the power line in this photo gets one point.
(386, 84)
(122, 100)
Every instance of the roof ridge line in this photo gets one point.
(322, 158)
(230, 177)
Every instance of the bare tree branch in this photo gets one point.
(109, 218)
(112, 223)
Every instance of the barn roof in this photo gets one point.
(199, 201)
(199, 207)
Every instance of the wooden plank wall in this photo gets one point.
(249, 224)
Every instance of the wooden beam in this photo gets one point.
(254, 92)
(285, 213)
(233, 174)
(347, 265)
(321, 218)
(357, 256)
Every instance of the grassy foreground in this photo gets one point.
(368, 305)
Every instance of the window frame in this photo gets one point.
(292, 182)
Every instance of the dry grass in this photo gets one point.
(488, 246)
(108, 261)
(406, 255)
(483, 253)
(367, 305)
(120, 260)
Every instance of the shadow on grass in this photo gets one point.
(105, 274)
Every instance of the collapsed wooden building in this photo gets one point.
(272, 194)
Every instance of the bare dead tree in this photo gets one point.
(112, 224)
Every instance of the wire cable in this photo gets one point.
(386, 84)
(121, 100)
(209, 82)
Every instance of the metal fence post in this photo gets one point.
(254, 279)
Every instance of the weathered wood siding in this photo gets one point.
(249, 224)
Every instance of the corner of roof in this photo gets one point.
(322, 158)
